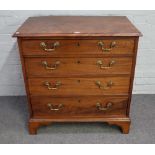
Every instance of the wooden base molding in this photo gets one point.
(123, 123)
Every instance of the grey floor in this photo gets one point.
(14, 115)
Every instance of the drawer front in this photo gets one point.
(78, 47)
(79, 86)
(63, 67)
(79, 106)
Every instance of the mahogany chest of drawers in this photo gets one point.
(78, 69)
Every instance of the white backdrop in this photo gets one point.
(11, 80)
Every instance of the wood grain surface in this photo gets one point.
(77, 47)
(77, 26)
(78, 106)
(80, 67)
(79, 86)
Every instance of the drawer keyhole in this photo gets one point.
(78, 62)
(78, 81)
(78, 44)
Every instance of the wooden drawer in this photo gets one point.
(79, 106)
(66, 67)
(77, 47)
(79, 86)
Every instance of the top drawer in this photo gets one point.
(77, 47)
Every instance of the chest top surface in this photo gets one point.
(53, 26)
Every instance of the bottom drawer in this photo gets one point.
(48, 107)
